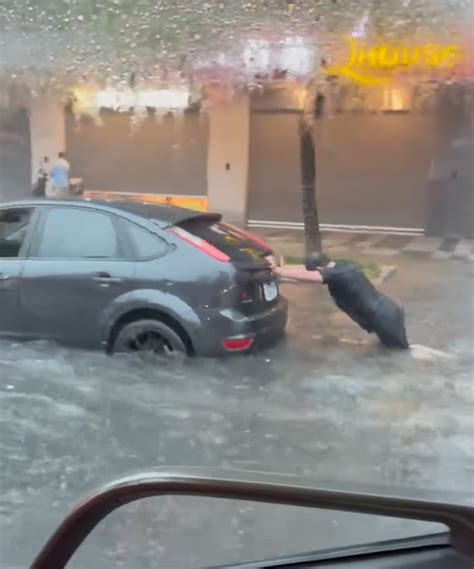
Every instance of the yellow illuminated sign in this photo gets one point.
(370, 65)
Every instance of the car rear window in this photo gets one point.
(239, 245)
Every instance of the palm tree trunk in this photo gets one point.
(312, 233)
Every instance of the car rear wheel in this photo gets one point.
(148, 336)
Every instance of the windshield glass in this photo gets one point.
(335, 138)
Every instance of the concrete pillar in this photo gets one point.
(47, 131)
(228, 159)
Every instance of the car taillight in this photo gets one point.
(246, 297)
(250, 237)
(200, 244)
(237, 344)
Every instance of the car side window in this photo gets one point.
(14, 225)
(77, 234)
(147, 245)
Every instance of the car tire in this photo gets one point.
(148, 336)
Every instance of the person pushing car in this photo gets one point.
(355, 295)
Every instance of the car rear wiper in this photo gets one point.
(248, 486)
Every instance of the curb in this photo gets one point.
(428, 248)
(386, 271)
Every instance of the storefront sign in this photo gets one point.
(154, 98)
(369, 65)
(89, 101)
(196, 203)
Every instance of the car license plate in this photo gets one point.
(270, 291)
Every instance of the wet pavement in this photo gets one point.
(312, 406)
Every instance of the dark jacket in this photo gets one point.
(373, 311)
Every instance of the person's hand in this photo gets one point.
(277, 271)
(271, 260)
(312, 262)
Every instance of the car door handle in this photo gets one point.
(105, 278)
(4, 277)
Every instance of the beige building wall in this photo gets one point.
(228, 159)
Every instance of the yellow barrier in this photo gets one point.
(196, 203)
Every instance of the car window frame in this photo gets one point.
(135, 256)
(123, 246)
(31, 229)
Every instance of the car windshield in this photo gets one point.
(320, 325)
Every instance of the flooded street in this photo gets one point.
(153, 155)
(331, 411)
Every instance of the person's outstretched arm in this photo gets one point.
(294, 273)
(298, 274)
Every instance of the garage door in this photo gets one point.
(372, 170)
(165, 155)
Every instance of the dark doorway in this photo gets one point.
(451, 188)
(15, 154)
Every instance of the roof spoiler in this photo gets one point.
(249, 486)
(201, 215)
(184, 215)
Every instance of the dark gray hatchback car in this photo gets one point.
(127, 276)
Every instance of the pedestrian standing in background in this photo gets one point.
(60, 177)
(40, 188)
